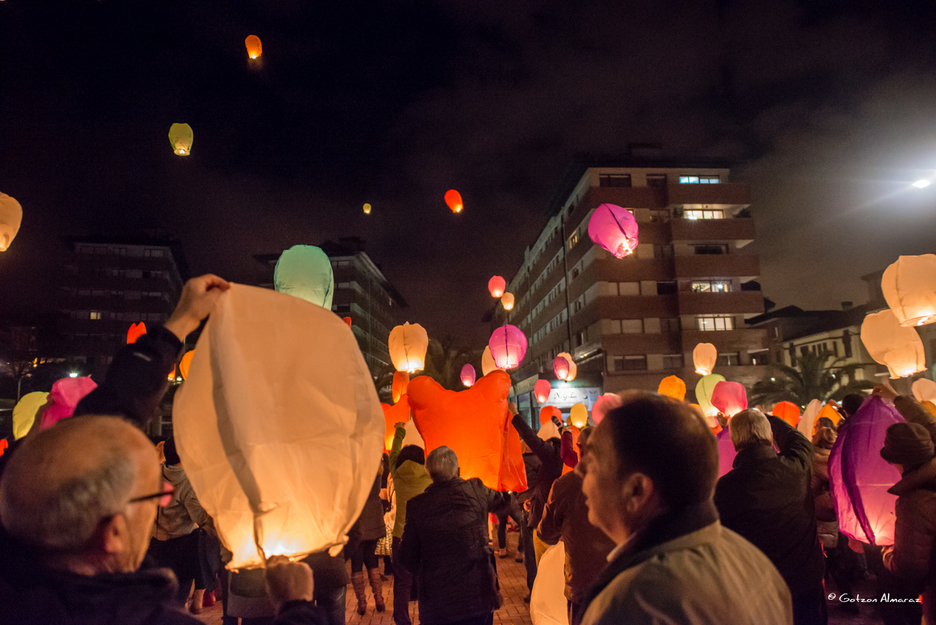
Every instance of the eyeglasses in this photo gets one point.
(165, 495)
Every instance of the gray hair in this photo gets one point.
(749, 427)
(442, 464)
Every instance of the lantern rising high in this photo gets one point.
(367, 209)
(254, 47)
(181, 137)
(496, 286)
(408, 344)
(11, 216)
(909, 286)
(704, 357)
(468, 375)
(614, 229)
(897, 347)
(573, 368)
(454, 200)
(508, 347)
(507, 301)
(561, 368)
(305, 271)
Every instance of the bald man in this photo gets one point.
(77, 503)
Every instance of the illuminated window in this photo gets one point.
(699, 180)
(704, 214)
(95, 314)
(573, 239)
(711, 286)
(714, 324)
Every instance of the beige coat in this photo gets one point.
(711, 575)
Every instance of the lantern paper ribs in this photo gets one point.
(408, 344)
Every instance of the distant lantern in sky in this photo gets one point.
(897, 347)
(542, 389)
(508, 346)
(573, 368)
(614, 229)
(496, 286)
(704, 357)
(507, 301)
(254, 47)
(304, 271)
(561, 367)
(909, 286)
(468, 375)
(408, 344)
(11, 216)
(367, 209)
(181, 137)
(454, 200)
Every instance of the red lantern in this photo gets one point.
(541, 389)
(397, 413)
(454, 200)
(561, 368)
(468, 375)
(497, 286)
(729, 398)
(788, 411)
(347, 320)
(548, 412)
(508, 347)
(136, 331)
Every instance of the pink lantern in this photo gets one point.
(614, 229)
(603, 405)
(541, 389)
(468, 375)
(726, 452)
(65, 395)
(729, 398)
(508, 346)
(497, 286)
(860, 477)
(561, 368)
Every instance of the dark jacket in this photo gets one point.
(370, 525)
(586, 546)
(531, 465)
(767, 499)
(549, 471)
(445, 545)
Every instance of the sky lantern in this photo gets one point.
(860, 477)
(454, 200)
(65, 395)
(703, 393)
(704, 357)
(614, 229)
(254, 47)
(25, 410)
(347, 320)
(408, 344)
(507, 301)
(808, 420)
(672, 386)
(909, 286)
(508, 347)
(561, 367)
(468, 375)
(788, 411)
(548, 412)
(541, 390)
(924, 390)
(397, 413)
(181, 137)
(603, 405)
(185, 363)
(729, 398)
(400, 382)
(11, 216)
(578, 415)
(136, 331)
(573, 368)
(296, 396)
(367, 209)
(497, 286)
(305, 271)
(828, 412)
(897, 347)
(487, 361)
(472, 422)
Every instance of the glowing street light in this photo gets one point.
(922, 183)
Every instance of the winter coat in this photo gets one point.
(370, 525)
(549, 471)
(586, 547)
(826, 523)
(766, 499)
(409, 479)
(531, 465)
(184, 514)
(445, 546)
(686, 568)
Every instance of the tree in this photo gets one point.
(813, 376)
(444, 361)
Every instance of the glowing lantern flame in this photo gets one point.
(561, 367)
(704, 357)
(508, 347)
(897, 347)
(496, 286)
(909, 286)
(11, 216)
(614, 229)
(367, 209)
(181, 137)
(468, 375)
(254, 47)
(542, 389)
(507, 301)
(454, 200)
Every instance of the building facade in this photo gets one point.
(630, 322)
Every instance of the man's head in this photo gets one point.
(583, 437)
(750, 428)
(413, 453)
(851, 403)
(442, 464)
(67, 493)
(907, 445)
(650, 455)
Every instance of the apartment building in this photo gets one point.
(630, 322)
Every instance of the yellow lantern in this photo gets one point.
(897, 347)
(181, 137)
(674, 387)
(25, 410)
(11, 216)
(507, 300)
(704, 357)
(408, 344)
(578, 415)
(254, 47)
(573, 369)
(487, 361)
(909, 286)
(367, 209)
(703, 393)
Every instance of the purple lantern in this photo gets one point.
(726, 452)
(468, 375)
(508, 347)
(614, 229)
(860, 478)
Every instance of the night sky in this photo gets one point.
(829, 109)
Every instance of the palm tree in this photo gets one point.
(813, 376)
(444, 361)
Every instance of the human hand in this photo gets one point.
(884, 391)
(399, 424)
(195, 303)
(288, 581)
(557, 421)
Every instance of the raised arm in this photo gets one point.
(538, 446)
(793, 446)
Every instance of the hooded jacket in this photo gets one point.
(409, 479)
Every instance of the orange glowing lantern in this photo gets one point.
(788, 411)
(897, 347)
(548, 412)
(704, 357)
(400, 382)
(254, 47)
(181, 137)
(408, 344)
(454, 200)
(578, 415)
(185, 363)
(507, 301)
(347, 320)
(541, 390)
(561, 368)
(136, 331)
(828, 412)
(909, 286)
(496, 286)
(672, 386)
(11, 216)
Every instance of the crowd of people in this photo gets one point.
(100, 525)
